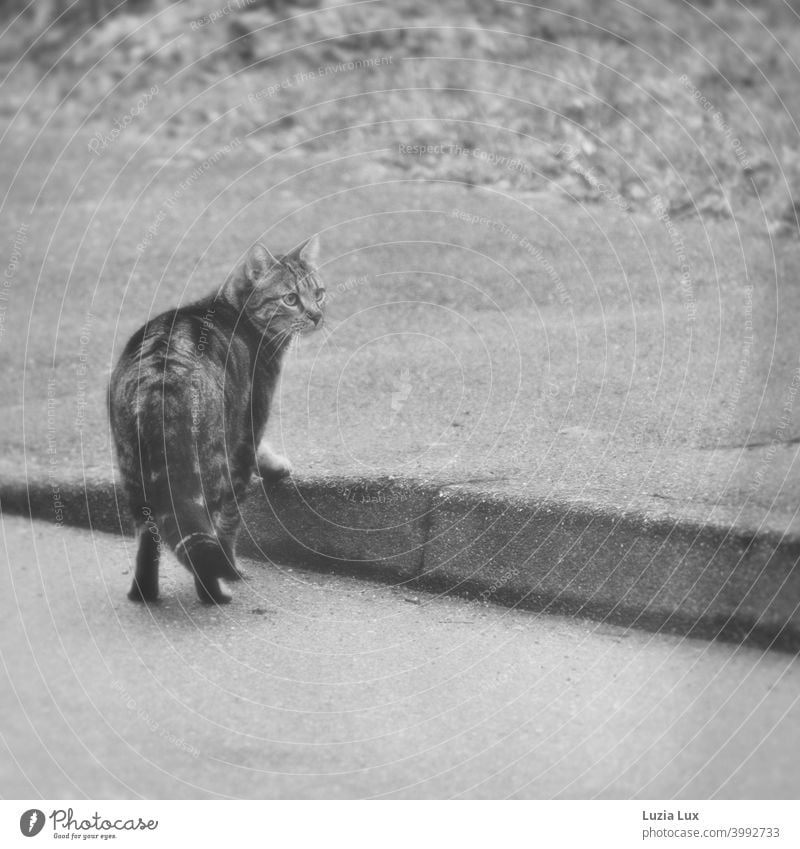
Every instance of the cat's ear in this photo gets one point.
(258, 262)
(308, 252)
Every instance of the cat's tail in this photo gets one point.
(175, 496)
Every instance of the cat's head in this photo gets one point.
(281, 295)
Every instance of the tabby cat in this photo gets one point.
(189, 400)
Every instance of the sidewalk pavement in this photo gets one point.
(570, 425)
(324, 686)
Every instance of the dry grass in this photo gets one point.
(691, 102)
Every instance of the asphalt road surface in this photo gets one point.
(320, 686)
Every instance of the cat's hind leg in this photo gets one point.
(202, 555)
(145, 580)
(194, 540)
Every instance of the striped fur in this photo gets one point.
(189, 401)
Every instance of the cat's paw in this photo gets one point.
(211, 591)
(272, 466)
(143, 595)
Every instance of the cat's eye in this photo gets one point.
(291, 299)
(320, 295)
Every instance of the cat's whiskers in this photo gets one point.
(329, 338)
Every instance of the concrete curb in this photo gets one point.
(638, 569)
